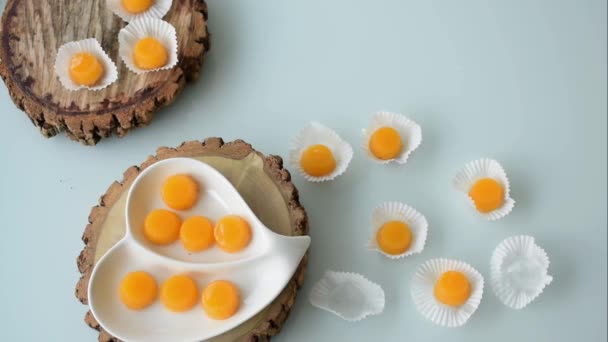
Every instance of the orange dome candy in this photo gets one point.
(179, 293)
(180, 192)
(318, 161)
(149, 54)
(487, 194)
(232, 233)
(138, 290)
(196, 234)
(452, 288)
(137, 6)
(385, 143)
(394, 237)
(161, 227)
(220, 299)
(85, 69)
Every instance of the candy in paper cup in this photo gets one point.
(396, 211)
(158, 9)
(423, 286)
(409, 131)
(147, 28)
(350, 296)
(314, 134)
(64, 57)
(519, 271)
(485, 168)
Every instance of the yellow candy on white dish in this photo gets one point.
(84, 64)
(391, 137)
(447, 292)
(487, 187)
(147, 45)
(398, 230)
(319, 154)
(131, 10)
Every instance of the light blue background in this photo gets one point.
(520, 81)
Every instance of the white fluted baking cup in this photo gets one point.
(409, 131)
(519, 271)
(312, 134)
(92, 46)
(350, 296)
(485, 168)
(423, 286)
(396, 211)
(159, 9)
(143, 28)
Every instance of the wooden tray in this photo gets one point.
(33, 30)
(264, 184)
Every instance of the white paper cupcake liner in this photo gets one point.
(350, 296)
(423, 285)
(159, 9)
(485, 168)
(410, 132)
(142, 28)
(395, 211)
(519, 271)
(92, 46)
(315, 133)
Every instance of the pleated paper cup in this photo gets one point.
(519, 271)
(143, 28)
(396, 211)
(409, 131)
(423, 285)
(92, 46)
(312, 134)
(158, 10)
(485, 168)
(350, 296)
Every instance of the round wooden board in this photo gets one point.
(31, 33)
(264, 184)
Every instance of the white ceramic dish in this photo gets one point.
(261, 271)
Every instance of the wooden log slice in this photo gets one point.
(33, 30)
(264, 184)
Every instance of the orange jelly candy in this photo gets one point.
(318, 161)
(149, 54)
(179, 293)
(452, 288)
(220, 299)
(162, 227)
(136, 6)
(85, 69)
(487, 194)
(394, 237)
(138, 290)
(196, 234)
(232, 233)
(385, 143)
(180, 192)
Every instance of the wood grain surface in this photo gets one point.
(264, 184)
(33, 30)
